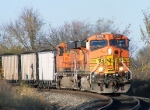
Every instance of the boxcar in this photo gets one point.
(10, 67)
(29, 67)
(46, 67)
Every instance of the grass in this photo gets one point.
(21, 98)
(25, 98)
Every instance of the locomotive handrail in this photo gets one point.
(94, 70)
(126, 67)
(75, 73)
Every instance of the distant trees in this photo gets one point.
(27, 32)
(140, 64)
(146, 35)
(23, 34)
(77, 30)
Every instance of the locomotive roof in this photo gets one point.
(107, 36)
(77, 41)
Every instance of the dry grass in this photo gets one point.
(20, 98)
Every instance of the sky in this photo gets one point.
(56, 12)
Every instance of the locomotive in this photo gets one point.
(99, 63)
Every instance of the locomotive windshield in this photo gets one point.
(119, 43)
(98, 43)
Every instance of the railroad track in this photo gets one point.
(145, 103)
(125, 102)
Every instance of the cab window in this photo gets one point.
(98, 43)
(119, 43)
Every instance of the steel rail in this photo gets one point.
(137, 106)
(107, 106)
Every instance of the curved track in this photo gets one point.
(125, 102)
(145, 103)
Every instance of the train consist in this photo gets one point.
(99, 63)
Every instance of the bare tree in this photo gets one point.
(103, 25)
(141, 64)
(77, 30)
(65, 33)
(25, 32)
(146, 34)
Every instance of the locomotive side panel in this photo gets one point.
(59, 60)
(73, 57)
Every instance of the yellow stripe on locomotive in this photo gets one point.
(109, 64)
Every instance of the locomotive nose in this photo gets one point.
(111, 51)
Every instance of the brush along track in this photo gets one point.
(76, 100)
(70, 99)
(125, 102)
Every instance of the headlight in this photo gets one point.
(100, 69)
(120, 68)
(109, 51)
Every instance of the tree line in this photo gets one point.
(27, 32)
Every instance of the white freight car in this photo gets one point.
(28, 67)
(10, 67)
(46, 66)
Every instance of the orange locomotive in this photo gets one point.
(99, 63)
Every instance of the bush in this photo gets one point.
(20, 98)
(140, 88)
(6, 95)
